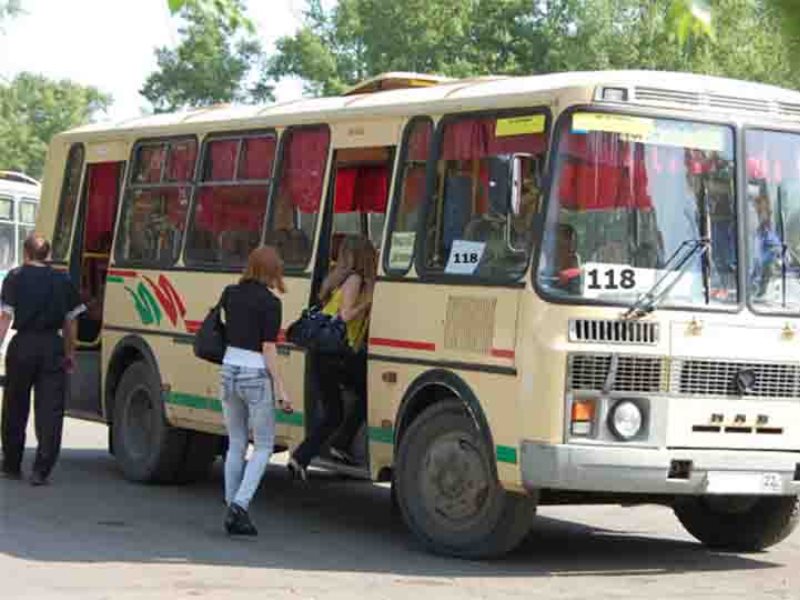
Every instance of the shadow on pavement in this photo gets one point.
(90, 514)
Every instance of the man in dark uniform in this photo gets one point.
(43, 305)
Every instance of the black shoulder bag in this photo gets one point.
(209, 341)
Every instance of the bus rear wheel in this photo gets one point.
(739, 523)
(447, 490)
(146, 447)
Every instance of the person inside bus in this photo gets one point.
(566, 267)
(346, 292)
(250, 382)
(767, 246)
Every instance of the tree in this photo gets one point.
(216, 61)
(33, 109)
(337, 48)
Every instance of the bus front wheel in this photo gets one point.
(146, 447)
(739, 523)
(447, 490)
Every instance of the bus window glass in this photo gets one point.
(69, 200)
(7, 209)
(27, 212)
(228, 211)
(156, 203)
(487, 192)
(631, 197)
(7, 247)
(400, 247)
(773, 220)
(296, 201)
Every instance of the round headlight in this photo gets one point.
(626, 420)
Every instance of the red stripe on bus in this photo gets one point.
(193, 326)
(116, 273)
(499, 353)
(406, 344)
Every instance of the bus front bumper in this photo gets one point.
(653, 471)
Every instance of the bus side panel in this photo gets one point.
(470, 331)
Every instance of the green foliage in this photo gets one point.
(229, 10)
(33, 109)
(216, 61)
(337, 48)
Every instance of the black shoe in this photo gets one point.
(37, 480)
(341, 456)
(11, 474)
(297, 470)
(237, 521)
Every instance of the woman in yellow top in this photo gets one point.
(346, 291)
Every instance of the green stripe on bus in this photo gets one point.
(115, 279)
(213, 404)
(506, 454)
(383, 435)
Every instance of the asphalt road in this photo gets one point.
(92, 535)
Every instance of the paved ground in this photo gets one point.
(92, 535)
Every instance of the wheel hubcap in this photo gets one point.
(455, 480)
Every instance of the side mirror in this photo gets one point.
(516, 174)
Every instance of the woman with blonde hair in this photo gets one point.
(250, 383)
(346, 292)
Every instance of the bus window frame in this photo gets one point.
(745, 250)
(638, 111)
(239, 135)
(128, 186)
(13, 199)
(75, 146)
(396, 197)
(277, 172)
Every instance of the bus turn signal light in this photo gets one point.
(582, 416)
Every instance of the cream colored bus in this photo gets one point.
(589, 289)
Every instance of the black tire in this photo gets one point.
(146, 447)
(199, 454)
(447, 488)
(739, 523)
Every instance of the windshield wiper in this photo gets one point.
(677, 263)
(784, 245)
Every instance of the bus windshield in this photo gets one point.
(773, 223)
(630, 194)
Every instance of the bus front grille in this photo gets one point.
(700, 377)
(619, 373)
(606, 331)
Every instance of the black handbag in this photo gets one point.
(209, 341)
(318, 332)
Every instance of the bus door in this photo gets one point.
(356, 205)
(90, 256)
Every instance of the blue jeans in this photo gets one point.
(247, 405)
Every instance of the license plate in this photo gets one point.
(737, 482)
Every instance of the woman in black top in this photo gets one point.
(251, 384)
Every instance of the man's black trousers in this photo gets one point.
(34, 361)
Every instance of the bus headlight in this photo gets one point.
(626, 420)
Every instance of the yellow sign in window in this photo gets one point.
(524, 125)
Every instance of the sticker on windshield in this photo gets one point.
(601, 280)
(519, 126)
(464, 257)
(679, 134)
(402, 250)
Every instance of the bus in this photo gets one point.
(19, 206)
(589, 290)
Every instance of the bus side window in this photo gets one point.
(62, 236)
(296, 201)
(409, 196)
(481, 219)
(156, 202)
(230, 204)
(7, 259)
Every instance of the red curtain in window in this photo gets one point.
(102, 205)
(181, 161)
(148, 164)
(258, 154)
(344, 199)
(414, 190)
(304, 167)
(362, 189)
(419, 142)
(221, 160)
(231, 208)
(468, 139)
